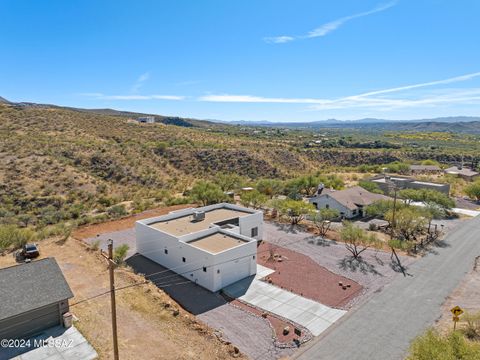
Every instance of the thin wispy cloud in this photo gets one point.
(139, 82)
(255, 99)
(327, 28)
(373, 99)
(101, 96)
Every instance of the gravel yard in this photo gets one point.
(300, 274)
(252, 334)
(374, 271)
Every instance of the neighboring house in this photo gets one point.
(463, 172)
(425, 169)
(213, 246)
(350, 202)
(403, 182)
(146, 119)
(33, 297)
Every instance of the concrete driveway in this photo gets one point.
(310, 314)
(56, 343)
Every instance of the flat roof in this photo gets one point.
(217, 242)
(184, 225)
(382, 179)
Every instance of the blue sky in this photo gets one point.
(246, 60)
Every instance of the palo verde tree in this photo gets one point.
(254, 199)
(295, 210)
(229, 181)
(269, 187)
(408, 223)
(356, 239)
(323, 218)
(427, 197)
(206, 193)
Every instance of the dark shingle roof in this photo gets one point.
(31, 285)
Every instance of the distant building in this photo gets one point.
(213, 246)
(34, 297)
(463, 172)
(425, 169)
(350, 202)
(403, 182)
(146, 119)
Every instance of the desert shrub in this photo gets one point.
(370, 186)
(141, 205)
(13, 236)
(471, 324)
(432, 345)
(119, 253)
(117, 210)
(473, 190)
(95, 245)
(54, 230)
(177, 201)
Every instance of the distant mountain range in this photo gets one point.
(459, 124)
(349, 123)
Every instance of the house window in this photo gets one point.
(165, 251)
(218, 271)
(253, 257)
(254, 231)
(183, 259)
(327, 206)
(354, 212)
(204, 269)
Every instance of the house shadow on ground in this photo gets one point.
(192, 297)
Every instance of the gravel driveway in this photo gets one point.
(374, 271)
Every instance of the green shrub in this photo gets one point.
(431, 346)
(117, 210)
(13, 236)
(119, 253)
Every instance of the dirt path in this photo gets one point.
(147, 330)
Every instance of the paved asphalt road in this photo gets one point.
(385, 325)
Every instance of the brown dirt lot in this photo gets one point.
(124, 223)
(146, 328)
(300, 274)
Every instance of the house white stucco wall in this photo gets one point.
(212, 271)
(326, 201)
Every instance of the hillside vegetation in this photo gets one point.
(60, 164)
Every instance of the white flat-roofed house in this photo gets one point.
(213, 246)
(146, 119)
(463, 172)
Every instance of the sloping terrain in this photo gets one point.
(60, 163)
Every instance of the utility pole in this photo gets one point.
(393, 225)
(111, 267)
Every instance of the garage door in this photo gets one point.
(30, 323)
(234, 271)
